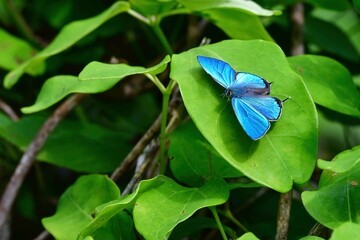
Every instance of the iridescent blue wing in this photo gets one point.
(219, 70)
(268, 106)
(249, 84)
(253, 122)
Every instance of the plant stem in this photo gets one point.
(139, 16)
(160, 34)
(227, 213)
(156, 81)
(217, 219)
(165, 104)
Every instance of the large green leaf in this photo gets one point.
(194, 160)
(330, 84)
(159, 210)
(287, 153)
(96, 77)
(78, 203)
(160, 204)
(243, 5)
(69, 35)
(338, 199)
(91, 149)
(15, 51)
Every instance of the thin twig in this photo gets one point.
(9, 111)
(145, 159)
(43, 235)
(28, 158)
(283, 216)
(137, 150)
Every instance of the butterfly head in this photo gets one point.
(228, 93)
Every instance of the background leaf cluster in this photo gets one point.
(129, 57)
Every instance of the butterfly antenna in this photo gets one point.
(286, 99)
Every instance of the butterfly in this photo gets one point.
(249, 94)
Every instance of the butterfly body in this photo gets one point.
(249, 95)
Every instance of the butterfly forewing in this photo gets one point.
(219, 70)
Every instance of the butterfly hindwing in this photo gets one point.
(254, 123)
(219, 70)
(268, 106)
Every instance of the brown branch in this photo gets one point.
(137, 150)
(28, 158)
(283, 216)
(297, 35)
(8, 110)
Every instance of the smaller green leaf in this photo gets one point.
(337, 199)
(347, 230)
(77, 204)
(194, 160)
(102, 71)
(343, 162)
(15, 51)
(97, 77)
(330, 84)
(69, 35)
(244, 5)
(248, 236)
(160, 209)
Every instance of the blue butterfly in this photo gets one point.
(253, 107)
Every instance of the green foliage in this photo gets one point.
(77, 204)
(136, 59)
(337, 199)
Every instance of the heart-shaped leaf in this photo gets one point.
(287, 153)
